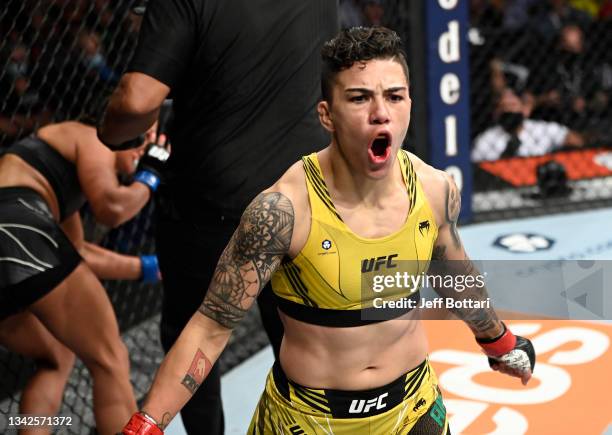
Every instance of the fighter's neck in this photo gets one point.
(354, 188)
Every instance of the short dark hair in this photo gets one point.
(358, 44)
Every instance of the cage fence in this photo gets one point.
(541, 88)
(59, 59)
(137, 306)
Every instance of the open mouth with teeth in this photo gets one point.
(380, 148)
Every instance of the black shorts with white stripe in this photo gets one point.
(35, 254)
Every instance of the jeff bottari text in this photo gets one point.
(439, 302)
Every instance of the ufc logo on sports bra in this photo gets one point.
(369, 264)
(363, 407)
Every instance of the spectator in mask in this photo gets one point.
(567, 84)
(517, 135)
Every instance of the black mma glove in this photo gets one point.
(510, 354)
(150, 166)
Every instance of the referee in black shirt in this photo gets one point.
(244, 79)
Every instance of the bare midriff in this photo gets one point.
(354, 358)
(15, 172)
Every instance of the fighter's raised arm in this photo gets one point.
(133, 108)
(251, 257)
(507, 353)
(449, 257)
(249, 260)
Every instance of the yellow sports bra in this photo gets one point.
(330, 281)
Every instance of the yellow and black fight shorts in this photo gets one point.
(412, 404)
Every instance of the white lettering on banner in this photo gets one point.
(554, 381)
(593, 345)
(450, 88)
(525, 329)
(455, 172)
(448, 44)
(509, 421)
(450, 122)
(447, 4)
(462, 413)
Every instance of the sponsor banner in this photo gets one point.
(448, 93)
(521, 171)
(568, 393)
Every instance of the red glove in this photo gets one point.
(510, 354)
(142, 424)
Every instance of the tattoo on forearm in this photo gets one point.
(199, 369)
(479, 317)
(453, 207)
(251, 257)
(165, 421)
(480, 320)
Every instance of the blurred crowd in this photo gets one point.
(554, 56)
(361, 13)
(58, 56)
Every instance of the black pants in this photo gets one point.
(188, 253)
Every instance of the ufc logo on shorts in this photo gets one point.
(363, 407)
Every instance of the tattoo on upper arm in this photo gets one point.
(453, 207)
(199, 369)
(439, 253)
(252, 255)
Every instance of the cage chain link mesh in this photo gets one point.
(551, 61)
(59, 59)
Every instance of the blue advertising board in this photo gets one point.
(448, 93)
